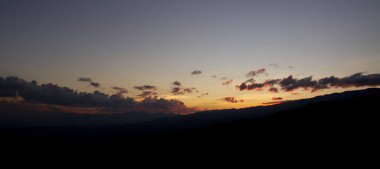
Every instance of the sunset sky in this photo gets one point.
(199, 43)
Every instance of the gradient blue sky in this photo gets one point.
(128, 43)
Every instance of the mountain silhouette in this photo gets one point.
(330, 119)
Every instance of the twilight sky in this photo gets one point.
(129, 43)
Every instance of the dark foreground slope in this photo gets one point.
(344, 119)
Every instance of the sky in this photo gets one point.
(127, 44)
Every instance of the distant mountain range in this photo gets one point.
(339, 116)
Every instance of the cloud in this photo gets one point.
(231, 100)
(89, 81)
(272, 103)
(196, 72)
(227, 82)
(277, 98)
(182, 91)
(203, 94)
(251, 80)
(214, 76)
(176, 83)
(178, 90)
(53, 94)
(256, 73)
(290, 83)
(95, 84)
(190, 90)
(252, 85)
(145, 87)
(147, 91)
(84, 79)
(355, 80)
(273, 89)
(172, 105)
(120, 90)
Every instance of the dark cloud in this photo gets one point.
(89, 81)
(182, 91)
(196, 72)
(273, 89)
(271, 82)
(120, 90)
(178, 90)
(145, 87)
(53, 94)
(277, 98)
(355, 80)
(84, 79)
(95, 84)
(251, 85)
(147, 91)
(174, 106)
(290, 83)
(191, 90)
(231, 100)
(256, 73)
(227, 82)
(251, 80)
(203, 94)
(176, 83)
(272, 103)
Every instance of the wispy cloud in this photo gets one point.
(196, 72)
(256, 72)
(232, 100)
(145, 87)
(227, 82)
(272, 103)
(120, 90)
(89, 81)
(182, 91)
(147, 91)
(203, 94)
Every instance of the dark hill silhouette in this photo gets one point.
(331, 119)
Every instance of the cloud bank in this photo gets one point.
(290, 83)
(56, 95)
(231, 100)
